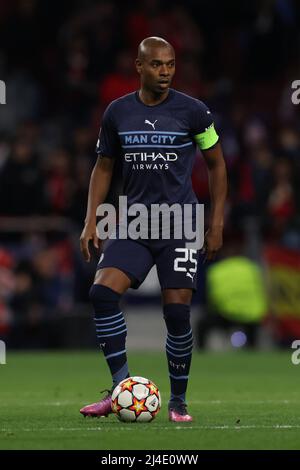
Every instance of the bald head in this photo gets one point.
(156, 65)
(148, 45)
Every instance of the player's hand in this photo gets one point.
(88, 233)
(213, 241)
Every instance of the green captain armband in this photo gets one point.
(207, 139)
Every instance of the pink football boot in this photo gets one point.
(101, 408)
(178, 413)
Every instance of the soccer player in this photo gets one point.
(154, 131)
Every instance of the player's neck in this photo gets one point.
(150, 98)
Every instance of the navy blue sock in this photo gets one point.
(179, 347)
(111, 330)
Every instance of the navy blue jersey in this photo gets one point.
(157, 145)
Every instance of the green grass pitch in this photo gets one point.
(239, 400)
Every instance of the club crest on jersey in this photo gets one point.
(150, 123)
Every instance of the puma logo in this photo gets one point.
(150, 123)
(190, 275)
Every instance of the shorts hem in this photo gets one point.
(135, 282)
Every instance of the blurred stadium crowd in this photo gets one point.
(63, 63)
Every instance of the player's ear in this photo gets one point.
(138, 65)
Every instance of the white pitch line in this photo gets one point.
(244, 402)
(131, 427)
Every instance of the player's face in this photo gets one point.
(157, 69)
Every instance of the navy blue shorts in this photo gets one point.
(176, 265)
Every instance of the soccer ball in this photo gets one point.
(136, 399)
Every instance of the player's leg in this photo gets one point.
(179, 345)
(105, 295)
(177, 296)
(176, 268)
(123, 264)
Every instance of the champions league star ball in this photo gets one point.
(136, 399)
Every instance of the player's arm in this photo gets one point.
(218, 190)
(207, 140)
(98, 190)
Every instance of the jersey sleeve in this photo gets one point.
(203, 128)
(108, 140)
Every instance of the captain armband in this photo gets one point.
(207, 139)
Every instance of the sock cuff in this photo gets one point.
(177, 318)
(176, 310)
(98, 292)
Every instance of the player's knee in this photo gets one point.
(177, 296)
(113, 278)
(177, 317)
(104, 299)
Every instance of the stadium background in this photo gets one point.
(62, 64)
